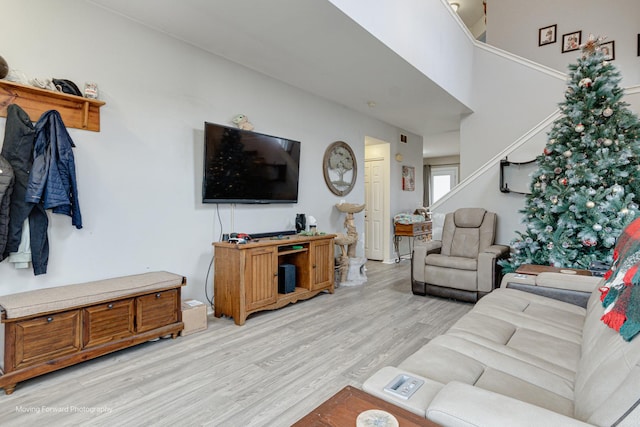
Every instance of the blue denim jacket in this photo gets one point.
(52, 180)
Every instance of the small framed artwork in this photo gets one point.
(609, 50)
(571, 41)
(408, 178)
(547, 35)
(638, 44)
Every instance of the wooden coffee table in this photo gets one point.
(343, 408)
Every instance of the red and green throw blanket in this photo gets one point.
(621, 291)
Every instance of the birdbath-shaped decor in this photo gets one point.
(347, 242)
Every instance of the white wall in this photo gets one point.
(510, 96)
(425, 33)
(140, 177)
(513, 26)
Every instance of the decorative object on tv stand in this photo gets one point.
(242, 122)
(301, 223)
(313, 226)
(350, 267)
(339, 168)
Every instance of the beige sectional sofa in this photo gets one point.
(521, 359)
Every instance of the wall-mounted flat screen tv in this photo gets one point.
(241, 166)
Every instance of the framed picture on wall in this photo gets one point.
(408, 178)
(547, 35)
(638, 44)
(609, 51)
(571, 41)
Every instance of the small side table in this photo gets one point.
(420, 230)
(343, 408)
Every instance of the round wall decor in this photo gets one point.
(339, 168)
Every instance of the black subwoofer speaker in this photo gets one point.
(286, 278)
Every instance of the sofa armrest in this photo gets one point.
(419, 254)
(501, 251)
(459, 404)
(428, 247)
(488, 275)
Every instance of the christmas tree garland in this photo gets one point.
(620, 294)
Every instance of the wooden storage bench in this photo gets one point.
(48, 329)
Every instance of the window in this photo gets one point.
(443, 179)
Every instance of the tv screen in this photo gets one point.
(241, 166)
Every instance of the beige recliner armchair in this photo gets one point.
(463, 265)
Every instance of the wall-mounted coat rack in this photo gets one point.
(515, 176)
(76, 111)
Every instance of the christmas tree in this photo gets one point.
(586, 187)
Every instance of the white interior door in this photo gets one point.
(374, 209)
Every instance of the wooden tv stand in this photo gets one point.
(246, 275)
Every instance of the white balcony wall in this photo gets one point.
(424, 33)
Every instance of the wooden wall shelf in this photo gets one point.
(76, 111)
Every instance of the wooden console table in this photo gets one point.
(343, 408)
(246, 275)
(421, 230)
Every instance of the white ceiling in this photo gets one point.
(311, 45)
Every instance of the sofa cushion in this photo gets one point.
(449, 358)
(451, 277)
(60, 298)
(456, 262)
(556, 351)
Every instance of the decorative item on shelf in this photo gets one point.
(339, 168)
(242, 122)
(66, 86)
(91, 90)
(350, 267)
(4, 68)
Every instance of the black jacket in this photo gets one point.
(52, 180)
(6, 188)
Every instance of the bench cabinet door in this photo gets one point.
(108, 322)
(156, 310)
(44, 338)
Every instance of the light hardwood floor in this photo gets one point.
(270, 372)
